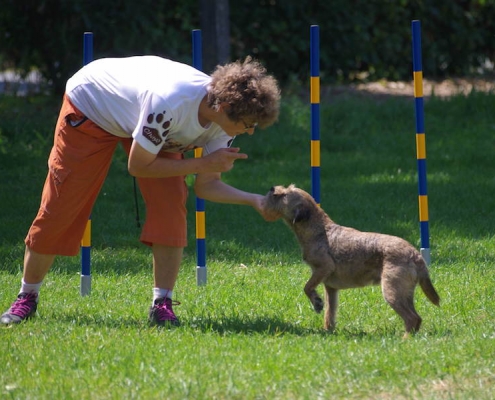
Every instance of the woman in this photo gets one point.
(157, 109)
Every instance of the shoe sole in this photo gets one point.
(165, 324)
(14, 322)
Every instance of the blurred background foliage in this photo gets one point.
(360, 39)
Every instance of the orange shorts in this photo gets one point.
(77, 167)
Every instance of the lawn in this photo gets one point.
(250, 333)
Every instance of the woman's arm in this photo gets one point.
(144, 164)
(209, 186)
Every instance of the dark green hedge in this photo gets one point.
(359, 38)
(371, 38)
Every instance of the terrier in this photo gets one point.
(342, 258)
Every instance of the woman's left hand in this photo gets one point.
(259, 205)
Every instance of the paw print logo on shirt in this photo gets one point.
(157, 128)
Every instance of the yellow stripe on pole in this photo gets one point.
(315, 153)
(86, 239)
(423, 208)
(421, 146)
(315, 89)
(200, 225)
(418, 83)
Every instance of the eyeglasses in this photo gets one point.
(251, 126)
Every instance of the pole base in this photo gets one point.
(426, 255)
(201, 276)
(85, 285)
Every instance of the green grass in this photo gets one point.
(250, 332)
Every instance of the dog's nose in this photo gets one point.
(272, 189)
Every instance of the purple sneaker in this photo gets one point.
(23, 308)
(161, 313)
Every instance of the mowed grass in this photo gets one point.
(250, 333)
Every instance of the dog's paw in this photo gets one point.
(318, 304)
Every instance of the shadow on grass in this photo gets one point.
(278, 327)
(226, 326)
(223, 326)
(101, 321)
(256, 325)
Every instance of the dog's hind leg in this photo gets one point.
(331, 300)
(398, 291)
(406, 310)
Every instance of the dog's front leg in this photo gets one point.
(310, 289)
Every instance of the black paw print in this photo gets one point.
(157, 128)
(159, 121)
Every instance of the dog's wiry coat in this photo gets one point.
(342, 258)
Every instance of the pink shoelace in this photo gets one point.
(164, 310)
(23, 305)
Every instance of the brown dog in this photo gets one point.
(344, 258)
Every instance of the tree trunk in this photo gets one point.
(215, 27)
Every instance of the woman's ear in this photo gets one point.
(223, 106)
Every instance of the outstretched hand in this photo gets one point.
(222, 160)
(259, 205)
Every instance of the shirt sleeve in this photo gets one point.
(155, 123)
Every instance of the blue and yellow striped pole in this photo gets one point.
(201, 277)
(420, 141)
(85, 287)
(315, 110)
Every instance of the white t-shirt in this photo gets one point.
(152, 99)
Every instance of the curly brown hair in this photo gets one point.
(253, 95)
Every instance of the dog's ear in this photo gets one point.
(301, 213)
(277, 191)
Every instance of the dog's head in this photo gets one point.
(292, 204)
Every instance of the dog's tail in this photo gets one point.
(425, 282)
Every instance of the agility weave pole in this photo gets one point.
(315, 110)
(420, 140)
(85, 287)
(201, 272)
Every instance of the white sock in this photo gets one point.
(30, 287)
(159, 293)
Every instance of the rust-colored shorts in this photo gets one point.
(77, 167)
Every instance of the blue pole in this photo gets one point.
(87, 47)
(420, 140)
(201, 272)
(315, 110)
(85, 287)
